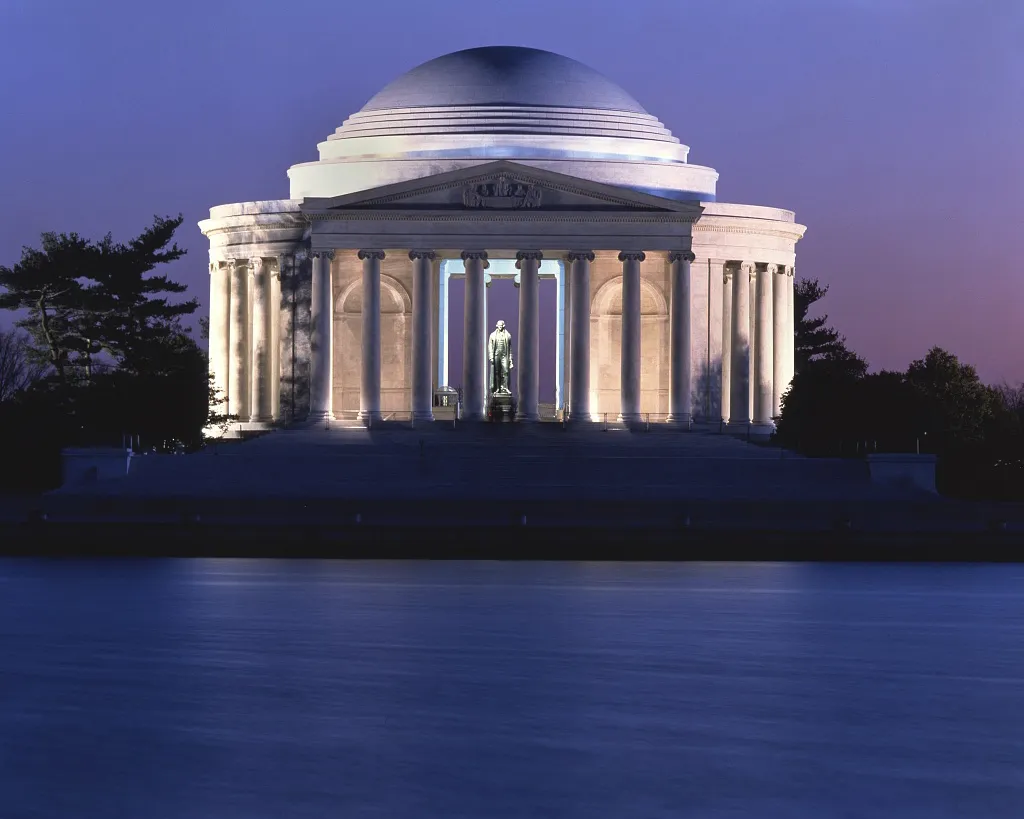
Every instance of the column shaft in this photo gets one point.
(474, 341)
(422, 269)
(238, 372)
(790, 326)
(260, 407)
(752, 314)
(779, 347)
(369, 374)
(763, 348)
(566, 337)
(680, 387)
(579, 386)
(740, 375)
(220, 324)
(320, 336)
(726, 385)
(276, 277)
(629, 400)
(528, 263)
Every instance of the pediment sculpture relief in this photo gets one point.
(502, 193)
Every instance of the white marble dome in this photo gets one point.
(503, 102)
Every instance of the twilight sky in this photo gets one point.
(894, 128)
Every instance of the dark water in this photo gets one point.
(272, 689)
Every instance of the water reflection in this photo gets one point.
(273, 688)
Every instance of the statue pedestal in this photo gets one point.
(501, 408)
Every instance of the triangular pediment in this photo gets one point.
(500, 186)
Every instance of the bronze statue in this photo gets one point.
(499, 355)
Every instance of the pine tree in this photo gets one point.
(815, 339)
(48, 284)
(132, 307)
(85, 298)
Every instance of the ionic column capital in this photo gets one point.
(363, 255)
(534, 255)
(791, 272)
(230, 264)
(632, 256)
(771, 269)
(748, 267)
(321, 254)
(468, 255)
(579, 256)
(682, 256)
(255, 265)
(214, 267)
(415, 255)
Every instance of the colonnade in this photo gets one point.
(758, 341)
(474, 366)
(244, 336)
(757, 336)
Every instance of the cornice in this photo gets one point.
(775, 232)
(669, 217)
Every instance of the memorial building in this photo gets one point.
(672, 306)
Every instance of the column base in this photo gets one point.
(423, 417)
(579, 416)
(369, 417)
(316, 416)
(683, 420)
(528, 417)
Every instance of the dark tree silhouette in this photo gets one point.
(109, 335)
(46, 283)
(17, 370)
(815, 339)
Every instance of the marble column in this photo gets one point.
(680, 387)
(275, 341)
(320, 336)
(726, 385)
(369, 373)
(474, 340)
(278, 277)
(528, 262)
(566, 336)
(764, 357)
(740, 375)
(779, 346)
(260, 410)
(238, 368)
(629, 399)
(422, 270)
(220, 338)
(752, 314)
(579, 353)
(790, 327)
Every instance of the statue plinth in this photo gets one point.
(501, 408)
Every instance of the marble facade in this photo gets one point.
(674, 307)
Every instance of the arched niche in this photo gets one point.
(606, 348)
(395, 346)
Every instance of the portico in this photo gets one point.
(533, 217)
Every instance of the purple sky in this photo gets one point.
(894, 128)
